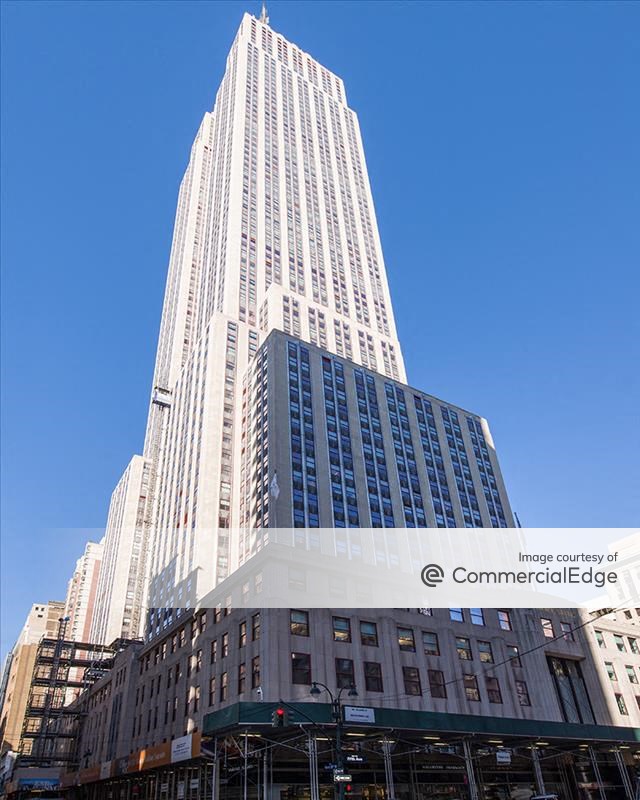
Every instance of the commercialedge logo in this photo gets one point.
(433, 574)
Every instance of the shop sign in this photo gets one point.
(503, 757)
(181, 748)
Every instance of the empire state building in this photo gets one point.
(276, 245)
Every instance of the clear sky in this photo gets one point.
(502, 142)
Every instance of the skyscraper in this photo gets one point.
(280, 400)
(275, 230)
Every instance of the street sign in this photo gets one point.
(354, 758)
(503, 756)
(359, 714)
(341, 777)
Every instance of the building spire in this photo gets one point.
(264, 17)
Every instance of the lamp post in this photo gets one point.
(336, 714)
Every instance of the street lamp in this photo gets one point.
(336, 714)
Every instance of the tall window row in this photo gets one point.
(440, 496)
(303, 455)
(487, 475)
(462, 471)
(412, 503)
(380, 506)
(343, 485)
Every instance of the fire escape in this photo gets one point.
(63, 670)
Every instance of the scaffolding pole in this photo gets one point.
(596, 771)
(388, 769)
(537, 770)
(471, 775)
(314, 786)
(624, 774)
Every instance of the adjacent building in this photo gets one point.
(82, 592)
(42, 621)
(122, 583)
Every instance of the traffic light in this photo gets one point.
(279, 718)
(348, 789)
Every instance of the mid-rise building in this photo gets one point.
(413, 703)
(42, 621)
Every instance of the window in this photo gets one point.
(255, 627)
(547, 628)
(610, 671)
(301, 668)
(242, 678)
(430, 643)
(463, 646)
(619, 642)
(471, 688)
(406, 641)
(212, 690)
(198, 660)
(299, 623)
(437, 686)
(345, 677)
(600, 639)
(214, 651)
(504, 620)
(255, 672)
(631, 674)
(224, 686)
(341, 629)
(242, 634)
(411, 677)
(513, 654)
(196, 699)
(571, 690)
(523, 693)
(493, 690)
(567, 631)
(456, 615)
(485, 651)
(373, 676)
(622, 706)
(181, 637)
(477, 616)
(224, 648)
(369, 634)
(633, 646)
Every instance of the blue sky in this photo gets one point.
(502, 143)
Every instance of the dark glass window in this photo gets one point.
(345, 677)
(301, 668)
(373, 676)
(411, 676)
(437, 685)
